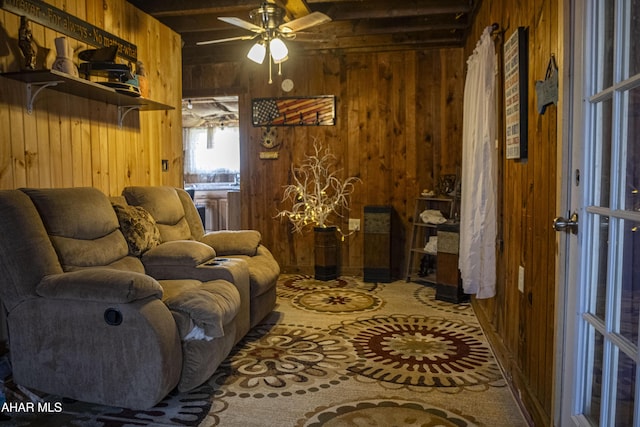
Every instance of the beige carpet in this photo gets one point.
(339, 353)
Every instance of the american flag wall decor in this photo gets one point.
(294, 111)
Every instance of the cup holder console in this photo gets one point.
(215, 261)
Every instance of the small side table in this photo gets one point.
(448, 281)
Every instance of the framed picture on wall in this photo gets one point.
(515, 94)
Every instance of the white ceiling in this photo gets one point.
(211, 111)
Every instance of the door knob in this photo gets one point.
(568, 225)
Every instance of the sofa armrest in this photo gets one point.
(236, 242)
(99, 284)
(185, 253)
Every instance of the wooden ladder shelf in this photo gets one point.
(421, 263)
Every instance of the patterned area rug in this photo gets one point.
(338, 353)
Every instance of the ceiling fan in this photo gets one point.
(268, 24)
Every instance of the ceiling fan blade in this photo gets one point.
(310, 20)
(241, 23)
(230, 39)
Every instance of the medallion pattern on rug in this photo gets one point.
(337, 301)
(384, 413)
(282, 360)
(291, 286)
(421, 351)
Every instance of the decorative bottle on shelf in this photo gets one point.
(143, 84)
(64, 61)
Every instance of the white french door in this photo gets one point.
(600, 378)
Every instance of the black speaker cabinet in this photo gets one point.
(377, 243)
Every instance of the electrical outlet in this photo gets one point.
(521, 279)
(354, 224)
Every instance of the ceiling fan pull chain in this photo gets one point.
(270, 80)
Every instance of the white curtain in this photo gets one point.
(196, 141)
(188, 141)
(477, 260)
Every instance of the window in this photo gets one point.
(211, 142)
(212, 155)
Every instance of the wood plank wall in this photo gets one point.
(398, 129)
(522, 325)
(69, 141)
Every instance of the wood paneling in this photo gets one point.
(397, 128)
(71, 141)
(522, 324)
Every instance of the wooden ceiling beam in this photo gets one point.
(162, 8)
(296, 8)
(370, 43)
(356, 26)
(171, 8)
(332, 31)
(194, 56)
(385, 9)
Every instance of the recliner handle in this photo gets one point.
(113, 316)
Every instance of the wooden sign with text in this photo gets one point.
(61, 21)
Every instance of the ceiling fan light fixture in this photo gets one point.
(280, 61)
(267, 23)
(257, 53)
(279, 51)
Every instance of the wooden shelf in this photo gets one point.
(436, 199)
(421, 231)
(422, 251)
(61, 82)
(424, 224)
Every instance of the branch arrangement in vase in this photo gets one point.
(317, 195)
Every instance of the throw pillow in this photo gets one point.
(138, 227)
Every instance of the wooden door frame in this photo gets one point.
(566, 118)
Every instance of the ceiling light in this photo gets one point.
(257, 53)
(279, 51)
